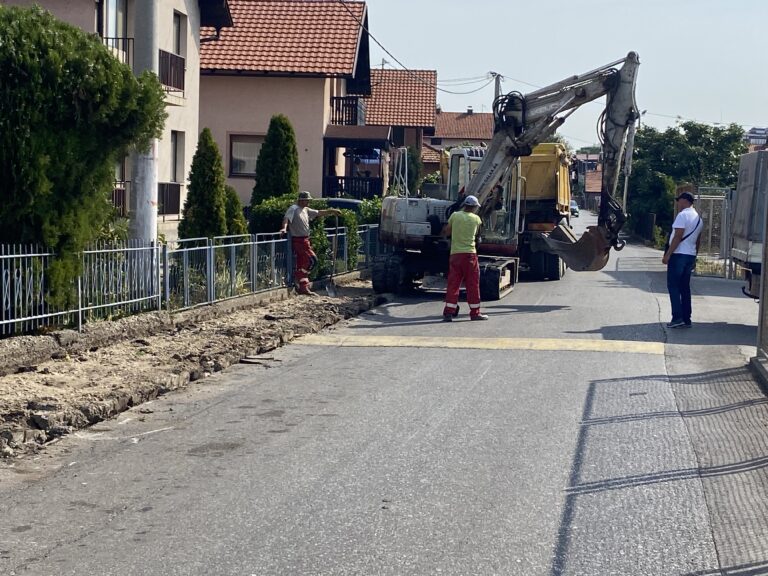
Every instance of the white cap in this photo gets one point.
(471, 201)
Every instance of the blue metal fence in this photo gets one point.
(124, 279)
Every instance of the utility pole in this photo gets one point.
(497, 85)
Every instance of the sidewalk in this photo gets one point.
(725, 411)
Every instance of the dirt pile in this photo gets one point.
(53, 385)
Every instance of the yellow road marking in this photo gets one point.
(542, 344)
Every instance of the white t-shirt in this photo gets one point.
(687, 219)
(299, 219)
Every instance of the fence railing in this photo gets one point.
(172, 69)
(130, 278)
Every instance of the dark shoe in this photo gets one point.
(480, 317)
(676, 324)
(447, 318)
(686, 324)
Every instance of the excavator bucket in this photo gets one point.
(588, 253)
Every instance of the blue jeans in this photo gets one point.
(679, 272)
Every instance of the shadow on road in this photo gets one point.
(702, 333)
(728, 401)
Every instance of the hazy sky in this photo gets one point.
(704, 60)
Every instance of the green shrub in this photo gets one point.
(68, 111)
(370, 211)
(267, 217)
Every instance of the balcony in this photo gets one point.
(172, 67)
(121, 198)
(348, 111)
(121, 48)
(169, 200)
(352, 187)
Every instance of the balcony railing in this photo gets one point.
(348, 111)
(121, 48)
(169, 200)
(121, 198)
(352, 187)
(172, 68)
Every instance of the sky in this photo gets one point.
(701, 60)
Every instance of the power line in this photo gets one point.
(403, 66)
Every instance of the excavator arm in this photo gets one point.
(522, 121)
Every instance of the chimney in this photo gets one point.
(469, 109)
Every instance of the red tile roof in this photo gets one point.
(474, 126)
(315, 37)
(402, 98)
(430, 154)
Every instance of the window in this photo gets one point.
(177, 156)
(179, 34)
(436, 141)
(111, 20)
(243, 152)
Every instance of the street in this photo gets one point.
(572, 434)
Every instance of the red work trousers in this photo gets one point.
(304, 259)
(463, 267)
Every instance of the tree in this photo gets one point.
(277, 167)
(68, 111)
(236, 223)
(204, 214)
(415, 168)
(691, 153)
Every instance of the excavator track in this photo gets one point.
(498, 277)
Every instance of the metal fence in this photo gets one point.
(712, 204)
(121, 280)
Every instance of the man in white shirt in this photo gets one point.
(680, 259)
(297, 219)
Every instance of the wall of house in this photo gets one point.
(244, 105)
(183, 107)
(81, 13)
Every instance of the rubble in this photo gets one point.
(54, 384)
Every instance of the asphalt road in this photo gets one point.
(547, 441)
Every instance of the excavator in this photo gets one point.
(411, 225)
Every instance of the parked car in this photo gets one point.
(574, 209)
(344, 204)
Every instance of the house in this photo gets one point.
(756, 139)
(405, 101)
(593, 183)
(457, 128)
(162, 36)
(307, 60)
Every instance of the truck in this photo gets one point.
(543, 203)
(748, 214)
(530, 231)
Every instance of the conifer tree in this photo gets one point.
(236, 223)
(277, 167)
(204, 214)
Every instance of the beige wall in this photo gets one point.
(245, 105)
(183, 108)
(81, 13)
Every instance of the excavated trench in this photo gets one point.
(55, 384)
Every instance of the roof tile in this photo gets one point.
(402, 98)
(474, 126)
(287, 36)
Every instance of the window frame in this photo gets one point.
(243, 138)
